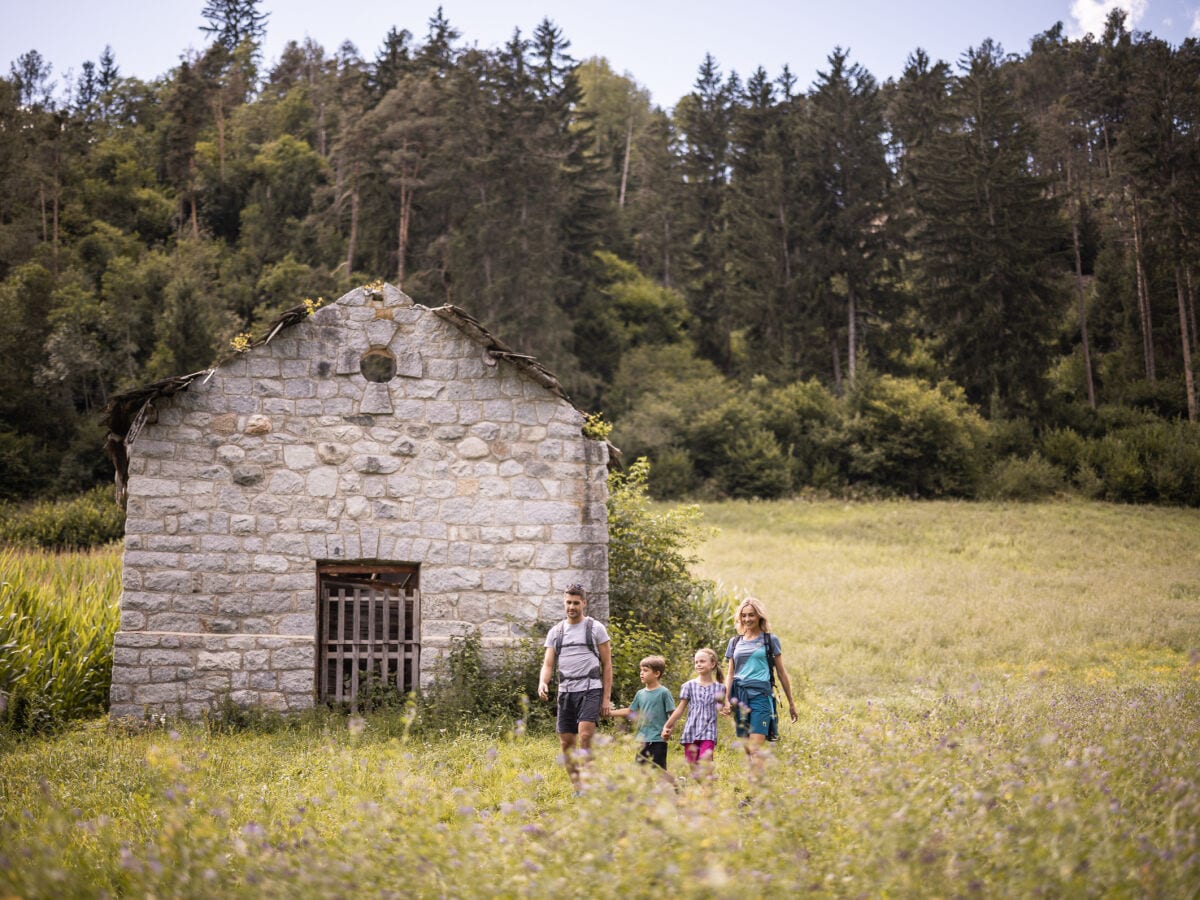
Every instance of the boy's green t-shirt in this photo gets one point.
(652, 708)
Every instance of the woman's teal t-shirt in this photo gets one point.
(750, 658)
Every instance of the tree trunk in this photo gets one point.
(54, 219)
(321, 131)
(1143, 291)
(1107, 151)
(787, 256)
(666, 252)
(1186, 341)
(851, 330)
(1191, 305)
(625, 164)
(219, 113)
(1089, 377)
(352, 240)
(406, 195)
(837, 367)
(1083, 329)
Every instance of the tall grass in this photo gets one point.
(997, 702)
(896, 598)
(58, 615)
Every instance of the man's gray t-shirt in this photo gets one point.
(576, 659)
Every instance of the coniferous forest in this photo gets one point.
(976, 279)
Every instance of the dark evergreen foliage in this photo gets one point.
(720, 278)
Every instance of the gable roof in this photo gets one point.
(128, 411)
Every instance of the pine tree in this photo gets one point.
(846, 134)
(31, 75)
(989, 238)
(232, 22)
(392, 62)
(704, 120)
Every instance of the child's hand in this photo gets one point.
(666, 732)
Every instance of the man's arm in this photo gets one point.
(605, 652)
(546, 673)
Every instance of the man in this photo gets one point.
(584, 677)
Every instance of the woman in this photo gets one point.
(752, 655)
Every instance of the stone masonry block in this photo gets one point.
(207, 660)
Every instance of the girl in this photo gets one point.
(703, 696)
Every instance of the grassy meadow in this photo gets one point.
(998, 701)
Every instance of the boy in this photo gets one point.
(650, 708)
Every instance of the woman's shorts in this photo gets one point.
(577, 706)
(756, 718)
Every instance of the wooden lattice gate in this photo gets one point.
(368, 629)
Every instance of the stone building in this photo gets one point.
(346, 496)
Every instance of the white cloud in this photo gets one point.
(1195, 30)
(1089, 16)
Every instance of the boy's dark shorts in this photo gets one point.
(577, 706)
(655, 752)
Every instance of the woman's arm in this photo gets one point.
(787, 686)
(725, 708)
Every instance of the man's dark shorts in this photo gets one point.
(577, 706)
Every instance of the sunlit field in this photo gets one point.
(892, 601)
(995, 702)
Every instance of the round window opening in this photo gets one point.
(378, 365)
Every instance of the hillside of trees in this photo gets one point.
(984, 269)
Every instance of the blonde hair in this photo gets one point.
(657, 663)
(755, 604)
(716, 661)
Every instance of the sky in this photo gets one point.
(659, 43)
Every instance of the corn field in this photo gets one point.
(58, 615)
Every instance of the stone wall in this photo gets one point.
(287, 456)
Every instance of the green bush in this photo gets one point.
(1120, 470)
(1011, 437)
(1158, 462)
(906, 436)
(474, 693)
(1161, 398)
(1143, 460)
(26, 468)
(1033, 478)
(1111, 417)
(805, 418)
(631, 643)
(711, 434)
(673, 475)
(89, 520)
(1065, 448)
(649, 555)
(754, 467)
